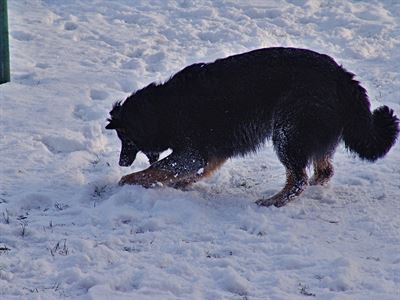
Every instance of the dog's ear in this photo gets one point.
(113, 124)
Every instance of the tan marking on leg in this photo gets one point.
(147, 177)
(323, 171)
(294, 187)
(212, 165)
(151, 176)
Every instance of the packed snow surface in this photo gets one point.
(67, 230)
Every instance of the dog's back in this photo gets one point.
(231, 105)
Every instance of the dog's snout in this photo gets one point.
(127, 156)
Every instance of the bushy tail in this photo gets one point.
(370, 135)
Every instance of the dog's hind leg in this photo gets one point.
(295, 163)
(323, 170)
(295, 184)
(292, 149)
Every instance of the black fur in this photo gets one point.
(302, 99)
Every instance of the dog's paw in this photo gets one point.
(277, 201)
(269, 202)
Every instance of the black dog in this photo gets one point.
(209, 112)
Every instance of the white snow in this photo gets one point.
(67, 230)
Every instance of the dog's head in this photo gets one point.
(129, 149)
(131, 136)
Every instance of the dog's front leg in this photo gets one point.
(176, 170)
(148, 177)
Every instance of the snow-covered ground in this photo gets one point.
(68, 231)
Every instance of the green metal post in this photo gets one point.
(4, 48)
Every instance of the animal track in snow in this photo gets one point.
(133, 64)
(42, 66)
(28, 78)
(22, 36)
(87, 113)
(62, 144)
(70, 26)
(98, 94)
